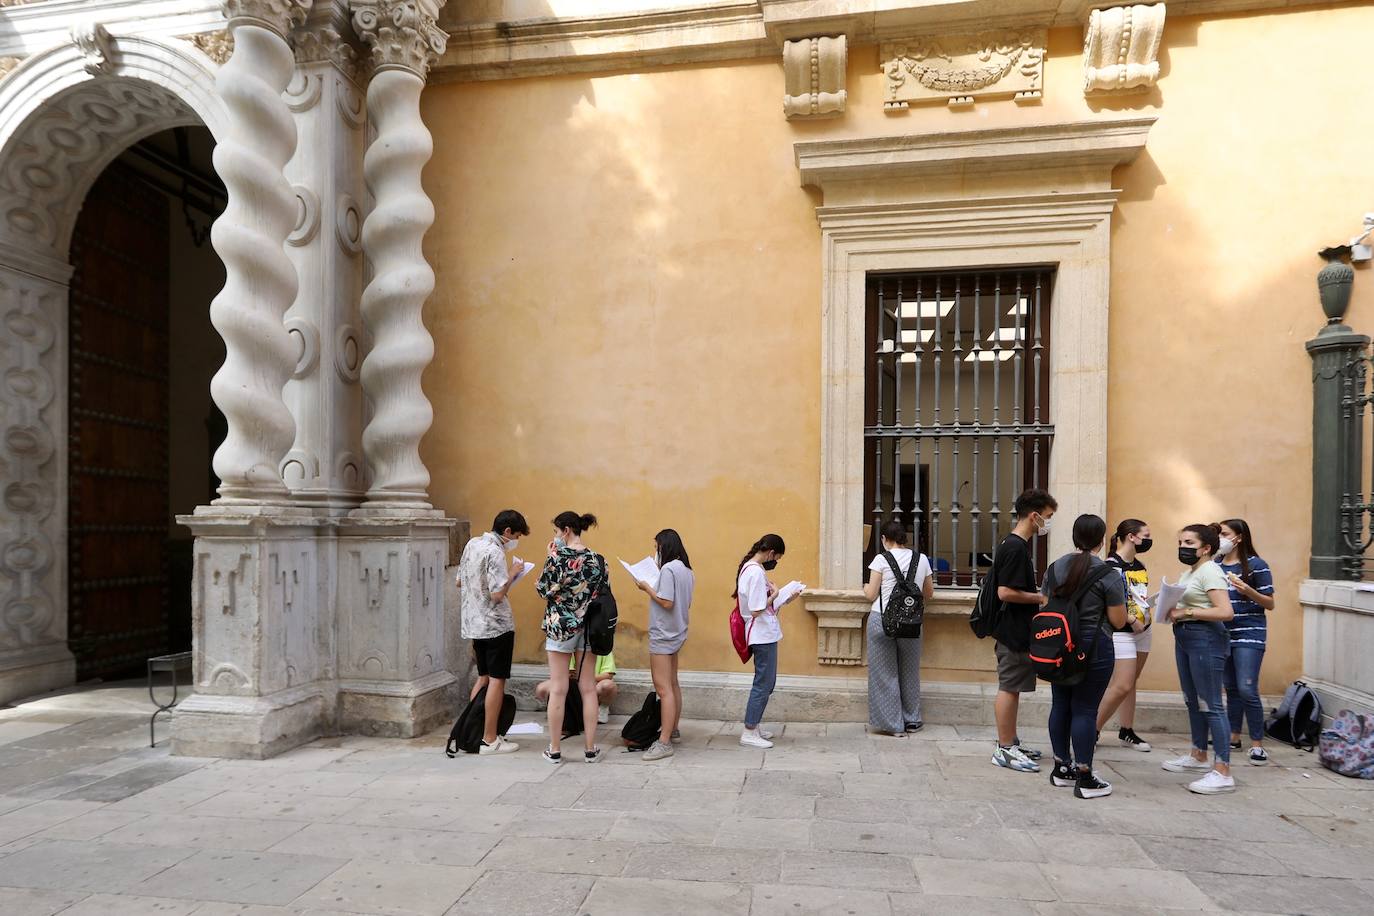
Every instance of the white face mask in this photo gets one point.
(508, 544)
(1044, 528)
(1227, 545)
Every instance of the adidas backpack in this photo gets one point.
(1298, 720)
(1057, 650)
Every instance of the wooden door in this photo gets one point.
(118, 428)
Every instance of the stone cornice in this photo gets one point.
(1082, 144)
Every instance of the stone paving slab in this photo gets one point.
(831, 821)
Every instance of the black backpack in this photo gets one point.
(466, 735)
(572, 714)
(602, 616)
(1057, 650)
(906, 606)
(1298, 720)
(643, 727)
(987, 608)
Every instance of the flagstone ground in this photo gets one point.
(831, 821)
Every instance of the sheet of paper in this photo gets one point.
(1167, 599)
(522, 572)
(787, 593)
(646, 571)
(525, 728)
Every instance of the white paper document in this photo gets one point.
(1167, 599)
(646, 571)
(525, 728)
(787, 593)
(522, 572)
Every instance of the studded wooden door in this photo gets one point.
(118, 428)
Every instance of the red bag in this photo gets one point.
(739, 634)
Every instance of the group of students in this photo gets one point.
(572, 576)
(1219, 627)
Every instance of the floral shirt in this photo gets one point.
(482, 571)
(569, 582)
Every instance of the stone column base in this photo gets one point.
(255, 728)
(397, 709)
(35, 671)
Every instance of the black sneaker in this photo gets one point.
(1130, 739)
(1063, 776)
(1089, 786)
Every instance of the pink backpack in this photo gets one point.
(1347, 747)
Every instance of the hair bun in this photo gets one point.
(588, 520)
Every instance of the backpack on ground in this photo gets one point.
(906, 606)
(1298, 720)
(572, 715)
(739, 634)
(1347, 747)
(602, 615)
(1057, 650)
(467, 732)
(987, 608)
(642, 728)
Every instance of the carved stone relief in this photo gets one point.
(814, 71)
(1121, 48)
(961, 69)
(93, 41)
(218, 46)
(7, 65)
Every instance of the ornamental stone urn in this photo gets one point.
(1334, 283)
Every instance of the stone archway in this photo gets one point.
(65, 114)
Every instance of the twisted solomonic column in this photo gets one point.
(405, 42)
(260, 281)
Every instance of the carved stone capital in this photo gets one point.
(327, 45)
(281, 16)
(814, 70)
(93, 41)
(218, 46)
(403, 34)
(1121, 47)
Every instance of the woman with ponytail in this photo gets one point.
(1131, 641)
(755, 593)
(1252, 597)
(572, 574)
(1073, 712)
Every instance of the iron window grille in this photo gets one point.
(957, 413)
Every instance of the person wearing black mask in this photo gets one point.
(1131, 641)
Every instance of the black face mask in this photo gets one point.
(1187, 556)
(769, 564)
(1145, 545)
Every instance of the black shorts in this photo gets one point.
(494, 655)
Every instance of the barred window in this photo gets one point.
(957, 413)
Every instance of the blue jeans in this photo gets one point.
(1200, 651)
(765, 676)
(1073, 710)
(1242, 689)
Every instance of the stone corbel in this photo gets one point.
(1121, 47)
(841, 619)
(93, 41)
(814, 73)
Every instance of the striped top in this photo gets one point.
(1250, 626)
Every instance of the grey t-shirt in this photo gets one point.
(668, 629)
(1106, 592)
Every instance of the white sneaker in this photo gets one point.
(1212, 784)
(603, 714)
(501, 746)
(754, 739)
(1185, 764)
(765, 734)
(1014, 759)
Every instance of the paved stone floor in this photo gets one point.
(94, 823)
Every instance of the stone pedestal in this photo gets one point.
(394, 678)
(263, 669)
(1337, 643)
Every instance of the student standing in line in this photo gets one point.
(764, 632)
(1130, 641)
(1014, 574)
(1252, 595)
(572, 574)
(484, 582)
(669, 609)
(1073, 713)
(1201, 646)
(894, 665)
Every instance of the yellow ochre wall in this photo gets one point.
(627, 317)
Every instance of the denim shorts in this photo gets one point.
(567, 646)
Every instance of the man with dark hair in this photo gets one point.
(484, 582)
(1014, 575)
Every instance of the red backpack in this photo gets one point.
(739, 634)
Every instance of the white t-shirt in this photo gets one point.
(753, 596)
(903, 557)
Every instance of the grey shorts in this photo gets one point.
(1014, 671)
